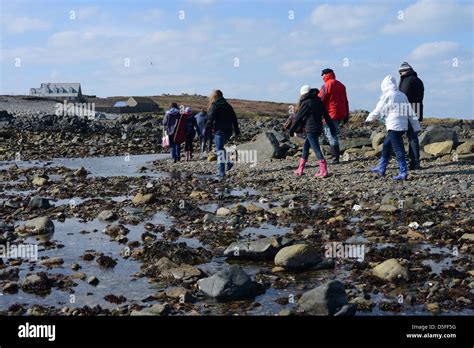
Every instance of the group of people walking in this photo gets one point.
(218, 122)
(182, 127)
(400, 108)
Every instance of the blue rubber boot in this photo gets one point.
(402, 164)
(380, 170)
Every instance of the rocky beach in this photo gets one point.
(122, 230)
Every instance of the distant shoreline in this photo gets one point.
(248, 107)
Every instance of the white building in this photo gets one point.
(58, 90)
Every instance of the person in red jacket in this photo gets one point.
(334, 97)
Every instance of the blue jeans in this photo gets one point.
(413, 146)
(221, 138)
(175, 149)
(333, 141)
(313, 142)
(393, 140)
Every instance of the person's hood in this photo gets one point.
(329, 76)
(220, 101)
(313, 92)
(389, 84)
(409, 73)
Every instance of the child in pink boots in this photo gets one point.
(310, 111)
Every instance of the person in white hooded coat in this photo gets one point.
(395, 111)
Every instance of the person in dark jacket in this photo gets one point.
(222, 119)
(191, 130)
(311, 111)
(170, 122)
(205, 134)
(413, 87)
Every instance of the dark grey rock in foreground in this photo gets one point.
(326, 299)
(39, 203)
(229, 284)
(260, 249)
(437, 134)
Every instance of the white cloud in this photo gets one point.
(23, 24)
(355, 17)
(106, 46)
(195, 35)
(152, 15)
(265, 51)
(343, 24)
(279, 90)
(302, 68)
(86, 13)
(431, 16)
(434, 50)
(464, 77)
(69, 39)
(249, 25)
(372, 86)
(163, 36)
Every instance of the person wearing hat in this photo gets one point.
(311, 111)
(334, 97)
(413, 87)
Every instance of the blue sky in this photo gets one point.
(279, 45)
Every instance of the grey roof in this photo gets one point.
(57, 89)
(66, 85)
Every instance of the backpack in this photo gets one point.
(291, 121)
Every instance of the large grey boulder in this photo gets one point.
(390, 270)
(265, 144)
(438, 134)
(280, 137)
(298, 256)
(326, 299)
(260, 249)
(39, 225)
(229, 284)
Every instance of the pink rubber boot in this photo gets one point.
(323, 169)
(301, 165)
